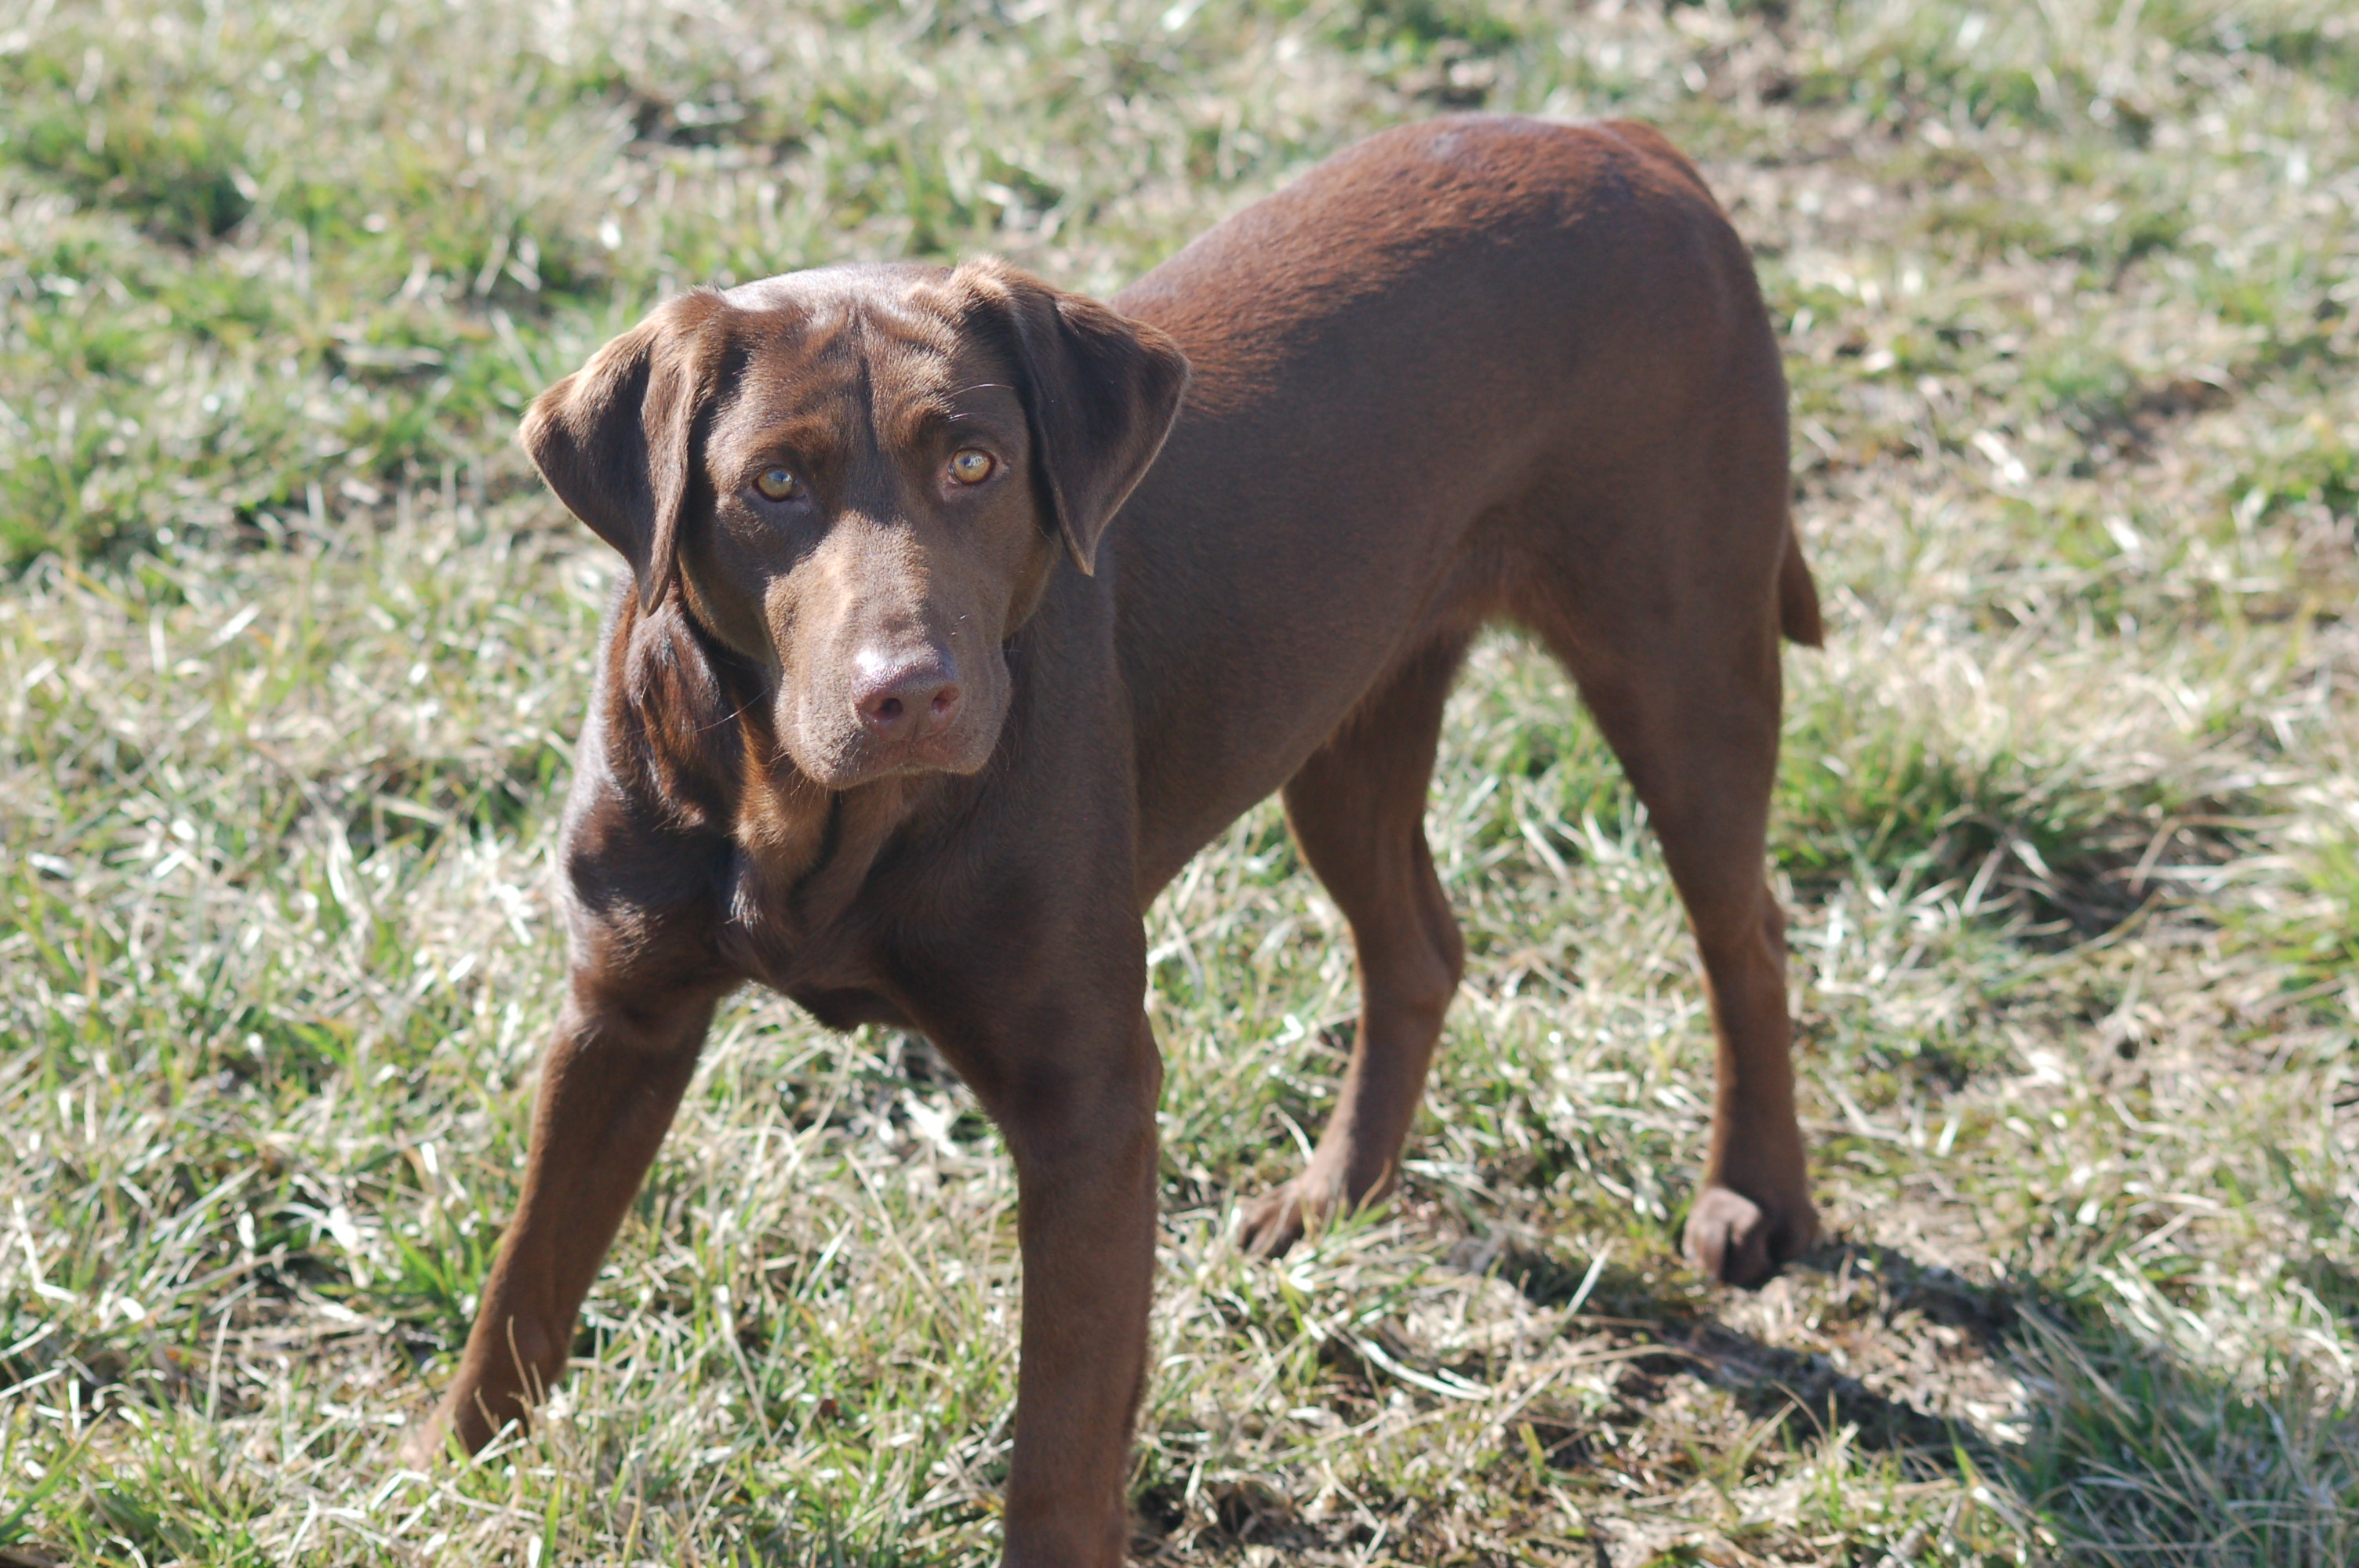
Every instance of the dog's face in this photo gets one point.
(860, 479)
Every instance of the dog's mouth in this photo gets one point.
(838, 774)
(906, 745)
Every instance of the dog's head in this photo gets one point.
(859, 479)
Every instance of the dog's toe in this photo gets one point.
(1740, 1242)
(425, 1444)
(1274, 1222)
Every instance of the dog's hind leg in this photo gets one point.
(1357, 808)
(1668, 617)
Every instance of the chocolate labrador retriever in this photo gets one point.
(892, 718)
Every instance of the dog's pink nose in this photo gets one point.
(917, 699)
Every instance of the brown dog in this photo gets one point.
(890, 719)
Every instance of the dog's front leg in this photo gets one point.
(610, 1084)
(1079, 1118)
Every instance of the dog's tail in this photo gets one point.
(1798, 597)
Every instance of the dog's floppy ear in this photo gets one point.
(612, 439)
(1099, 390)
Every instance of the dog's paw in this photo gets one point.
(1274, 1222)
(426, 1442)
(1740, 1242)
(457, 1422)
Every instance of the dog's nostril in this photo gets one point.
(915, 701)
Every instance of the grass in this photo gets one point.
(292, 650)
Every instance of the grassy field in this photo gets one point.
(291, 648)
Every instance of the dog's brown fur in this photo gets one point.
(918, 752)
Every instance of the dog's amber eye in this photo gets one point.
(777, 484)
(971, 467)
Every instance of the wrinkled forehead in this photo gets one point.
(885, 345)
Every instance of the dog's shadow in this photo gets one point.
(1765, 1379)
(1667, 1339)
(2112, 1448)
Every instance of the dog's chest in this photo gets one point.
(790, 910)
(830, 974)
(769, 930)
(817, 904)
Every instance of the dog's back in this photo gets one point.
(1478, 368)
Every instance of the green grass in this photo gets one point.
(292, 649)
